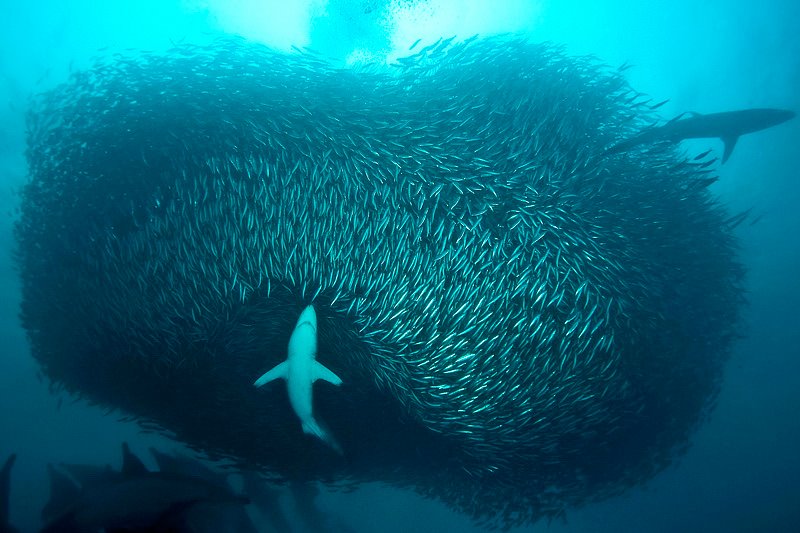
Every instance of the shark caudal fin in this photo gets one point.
(279, 371)
(312, 427)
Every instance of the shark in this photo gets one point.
(203, 517)
(131, 500)
(5, 486)
(300, 370)
(727, 126)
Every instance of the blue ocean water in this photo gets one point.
(741, 471)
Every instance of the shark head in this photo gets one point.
(303, 342)
(309, 315)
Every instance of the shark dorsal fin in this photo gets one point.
(131, 465)
(730, 144)
(5, 488)
(63, 494)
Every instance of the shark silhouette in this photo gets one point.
(5, 486)
(131, 500)
(728, 126)
(301, 370)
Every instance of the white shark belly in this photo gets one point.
(300, 393)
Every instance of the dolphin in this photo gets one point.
(5, 489)
(728, 126)
(301, 370)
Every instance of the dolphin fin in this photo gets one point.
(318, 371)
(730, 144)
(279, 371)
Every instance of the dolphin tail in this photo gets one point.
(312, 427)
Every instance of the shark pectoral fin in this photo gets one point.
(678, 117)
(730, 143)
(320, 372)
(279, 371)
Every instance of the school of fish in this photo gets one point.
(522, 320)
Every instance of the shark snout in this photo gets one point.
(308, 316)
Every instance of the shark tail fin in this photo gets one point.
(312, 427)
(730, 144)
(279, 371)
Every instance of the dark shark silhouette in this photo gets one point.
(206, 516)
(131, 500)
(5, 486)
(728, 126)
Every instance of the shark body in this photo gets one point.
(131, 500)
(728, 126)
(209, 517)
(300, 370)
